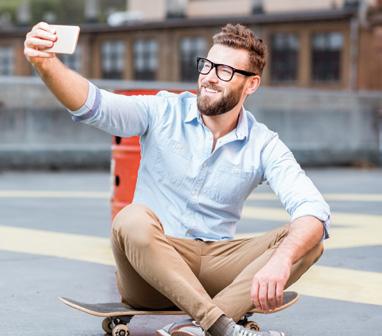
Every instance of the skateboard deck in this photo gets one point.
(118, 315)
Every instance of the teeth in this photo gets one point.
(210, 90)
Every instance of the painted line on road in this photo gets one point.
(338, 218)
(351, 197)
(54, 194)
(56, 244)
(320, 281)
(347, 197)
(341, 284)
(348, 230)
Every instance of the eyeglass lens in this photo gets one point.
(225, 73)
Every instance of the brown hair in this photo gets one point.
(240, 37)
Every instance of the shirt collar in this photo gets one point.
(241, 130)
(193, 113)
(242, 125)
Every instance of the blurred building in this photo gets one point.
(329, 44)
(161, 9)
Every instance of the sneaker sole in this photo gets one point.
(181, 333)
(162, 332)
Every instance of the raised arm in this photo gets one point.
(70, 88)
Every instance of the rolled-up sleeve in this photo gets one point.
(296, 191)
(118, 114)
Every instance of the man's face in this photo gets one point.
(215, 96)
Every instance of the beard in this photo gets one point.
(207, 106)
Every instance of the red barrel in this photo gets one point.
(126, 156)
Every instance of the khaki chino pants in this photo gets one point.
(205, 279)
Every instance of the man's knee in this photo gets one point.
(305, 263)
(313, 255)
(134, 225)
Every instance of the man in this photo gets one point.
(201, 157)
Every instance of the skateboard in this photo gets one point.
(117, 316)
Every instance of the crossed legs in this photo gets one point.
(205, 279)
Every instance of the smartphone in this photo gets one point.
(67, 37)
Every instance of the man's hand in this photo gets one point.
(41, 37)
(268, 284)
(70, 88)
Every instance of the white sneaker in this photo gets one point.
(188, 327)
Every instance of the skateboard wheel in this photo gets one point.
(251, 325)
(121, 330)
(107, 325)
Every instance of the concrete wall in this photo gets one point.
(322, 128)
(37, 132)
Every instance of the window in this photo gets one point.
(284, 56)
(257, 7)
(6, 61)
(145, 59)
(326, 56)
(113, 59)
(73, 61)
(190, 48)
(176, 8)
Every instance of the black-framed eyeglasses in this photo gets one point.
(223, 71)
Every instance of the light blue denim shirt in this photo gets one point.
(194, 191)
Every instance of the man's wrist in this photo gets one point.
(282, 256)
(44, 66)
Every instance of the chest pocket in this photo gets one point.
(172, 162)
(230, 184)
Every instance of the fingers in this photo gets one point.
(30, 52)
(43, 31)
(255, 294)
(279, 295)
(272, 303)
(267, 295)
(43, 27)
(263, 296)
(42, 36)
(34, 42)
(259, 294)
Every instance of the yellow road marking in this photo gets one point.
(56, 244)
(53, 194)
(348, 229)
(106, 195)
(279, 214)
(320, 281)
(341, 284)
(352, 197)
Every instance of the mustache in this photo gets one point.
(211, 87)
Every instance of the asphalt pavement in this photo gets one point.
(54, 229)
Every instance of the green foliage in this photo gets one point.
(65, 12)
(8, 8)
(9, 5)
(62, 11)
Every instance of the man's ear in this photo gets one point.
(254, 83)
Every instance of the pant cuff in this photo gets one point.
(211, 318)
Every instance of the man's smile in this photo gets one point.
(209, 91)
